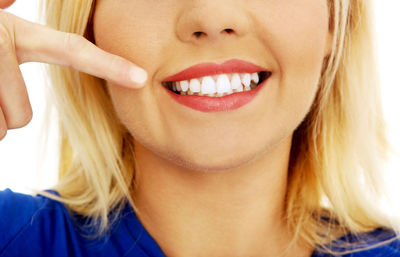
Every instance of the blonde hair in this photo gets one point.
(336, 156)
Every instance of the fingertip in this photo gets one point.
(138, 75)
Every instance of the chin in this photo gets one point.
(211, 156)
(212, 163)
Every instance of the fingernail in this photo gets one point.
(138, 75)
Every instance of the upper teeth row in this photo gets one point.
(217, 84)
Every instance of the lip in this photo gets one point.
(217, 104)
(210, 69)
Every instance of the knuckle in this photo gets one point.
(24, 118)
(114, 62)
(72, 45)
(117, 65)
(72, 42)
(3, 131)
(5, 40)
(4, 16)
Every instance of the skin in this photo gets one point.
(22, 41)
(209, 184)
(213, 184)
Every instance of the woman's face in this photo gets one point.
(289, 38)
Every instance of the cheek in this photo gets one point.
(123, 28)
(132, 30)
(138, 110)
(296, 35)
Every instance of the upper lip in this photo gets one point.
(210, 69)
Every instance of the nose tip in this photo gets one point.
(211, 21)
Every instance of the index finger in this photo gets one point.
(39, 43)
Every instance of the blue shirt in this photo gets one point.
(39, 226)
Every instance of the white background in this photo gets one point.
(20, 155)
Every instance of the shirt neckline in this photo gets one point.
(147, 243)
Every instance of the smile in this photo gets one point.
(217, 85)
(213, 87)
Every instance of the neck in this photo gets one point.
(237, 212)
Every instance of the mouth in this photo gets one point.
(218, 85)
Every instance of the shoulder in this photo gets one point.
(18, 205)
(39, 226)
(19, 211)
(29, 222)
(379, 242)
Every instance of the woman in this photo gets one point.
(256, 130)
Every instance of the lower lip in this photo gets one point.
(217, 104)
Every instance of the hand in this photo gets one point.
(23, 41)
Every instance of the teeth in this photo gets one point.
(217, 85)
(236, 83)
(255, 78)
(223, 85)
(194, 85)
(184, 85)
(246, 80)
(208, 86)
(178, 86)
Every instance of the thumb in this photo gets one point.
(6, 3)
